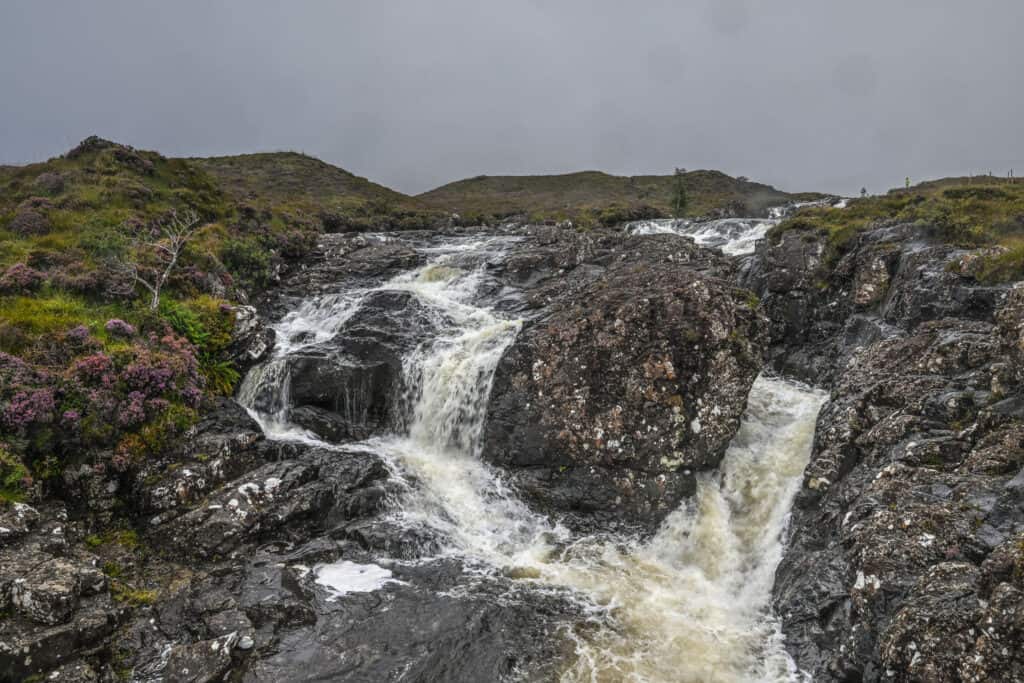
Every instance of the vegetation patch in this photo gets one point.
(967, 212)
(90, 371)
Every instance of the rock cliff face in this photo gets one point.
(890, 280)
(629, 380)
(905, 557)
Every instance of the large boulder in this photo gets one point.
(631, 382)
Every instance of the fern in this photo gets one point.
(221, 375)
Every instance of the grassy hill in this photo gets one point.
(593, 195)
(343, 201)
(89, 372)
(967, 211)
(293, 177)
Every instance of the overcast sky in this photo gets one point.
(802, 94)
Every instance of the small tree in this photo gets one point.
(154, 253)
(680, 200)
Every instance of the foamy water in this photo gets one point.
(689, 604)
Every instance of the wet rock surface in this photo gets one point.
(628, 381)
(214, 574)
(823, 305)
(54, 596)
(356, 375)
(908, 529)
(628, 378)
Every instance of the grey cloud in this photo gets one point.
(803, 94)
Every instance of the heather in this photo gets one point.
(88, 373)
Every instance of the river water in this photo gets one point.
(690, 603)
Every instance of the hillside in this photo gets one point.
(597, 195)
(91, 372)
(291, 177)
(343, 201)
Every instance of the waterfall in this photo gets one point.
(688, 604)
(734, 236)
(691, 603)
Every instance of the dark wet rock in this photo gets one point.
(889, 280)
(391, 539)
(292, 497)
(223, 445)
(377, 258)
(325, 424)
(28, 651)
(55, 600)
(341, 260)
(904, 529)
(428, 625)
(357, 374)
(201, 662)
(630, 381)
(75, 672)
(47, 593)
(251, 340)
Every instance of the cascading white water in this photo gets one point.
(689, 604)
(734, 236)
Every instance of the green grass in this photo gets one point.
(1007, 266)
(13, 475)
(126, 538)
(967, 212)
(134, 597)
(298, 179)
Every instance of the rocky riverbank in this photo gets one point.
(905, 558)
(218, 571)
(621, 368)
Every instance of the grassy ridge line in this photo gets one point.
(589, 194)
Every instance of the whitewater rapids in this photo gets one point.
(689, 604)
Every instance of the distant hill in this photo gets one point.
(589, 197)
(594, 192)
(291, 177)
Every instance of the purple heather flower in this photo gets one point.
(119, 328)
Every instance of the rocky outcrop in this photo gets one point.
(908, 529)
(249, 596)
(824, 303)
(352, 381)
(251, 340)
(629, 381)
(54, 597)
